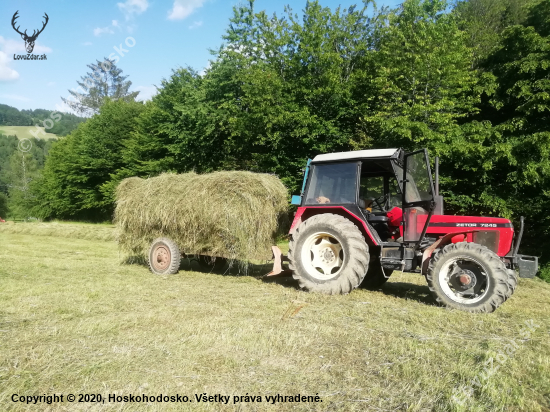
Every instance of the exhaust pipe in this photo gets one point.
(437, 197)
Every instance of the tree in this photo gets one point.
(520, 111)
(294, 84)
(485, 20)
(10, 116)
(278, 92)
(79, 175)
(3, 205)
(422, 79)
(19, 170)
(104, 81)
(22, 172)
(8, 146)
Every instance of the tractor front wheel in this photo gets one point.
(164, 257)
(328, 254)
(469, 277)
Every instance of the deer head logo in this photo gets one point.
(29, 40)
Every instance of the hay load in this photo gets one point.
(232, 214)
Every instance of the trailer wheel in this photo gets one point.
(328, 254)
(469, 277)
(164, 257)
(375, 279)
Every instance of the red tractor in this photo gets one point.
(363, 214)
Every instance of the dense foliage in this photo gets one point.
(483, 21)
(78, 177)
(18, 170)
(10, 116)
(468, 82)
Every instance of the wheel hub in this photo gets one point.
(463, 280)
(328, 256)
(161, 258)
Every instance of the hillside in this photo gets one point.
(24, 132)
(11, 116)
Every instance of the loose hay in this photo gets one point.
(232, 214)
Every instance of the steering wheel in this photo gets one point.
(380, 200)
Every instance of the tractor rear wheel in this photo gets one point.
(375, 279)
(328, 254)
(164, 257)
(469, 277)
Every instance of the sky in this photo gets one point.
(150, 38)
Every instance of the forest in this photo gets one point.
(467, 80)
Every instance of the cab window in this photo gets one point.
(332, 183)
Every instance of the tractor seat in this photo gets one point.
(372, 218)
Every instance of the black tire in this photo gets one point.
(513, 279)
(164, 257)
(375, 279)
(312, 249)
(489, 283)
(211, 263)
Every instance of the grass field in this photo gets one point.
(23, 132)
(73, 320)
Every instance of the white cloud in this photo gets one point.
(183, 8)
(87, 43)
(109, 29)
(195, 25)
(7, 48)
(131, 7)
(146, 92)
(15, 97)
(98, 31)
(7, 74)
(50, 84)
(10, 46)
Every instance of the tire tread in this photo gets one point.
(358, 261)
(505, 282)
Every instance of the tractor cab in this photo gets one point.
(371, 183)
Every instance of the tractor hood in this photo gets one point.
(494, 232)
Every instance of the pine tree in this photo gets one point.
(104, 81)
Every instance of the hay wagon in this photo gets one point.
(214, 217)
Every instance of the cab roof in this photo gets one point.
(356, 154)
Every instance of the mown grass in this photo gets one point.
(24, 132)
(71, 230)
(73, 320)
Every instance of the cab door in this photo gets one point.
(418, 196)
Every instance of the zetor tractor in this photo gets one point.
(364, 214)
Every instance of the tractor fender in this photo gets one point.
(304, 213)
(448, 238)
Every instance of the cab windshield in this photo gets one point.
(332, 183)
